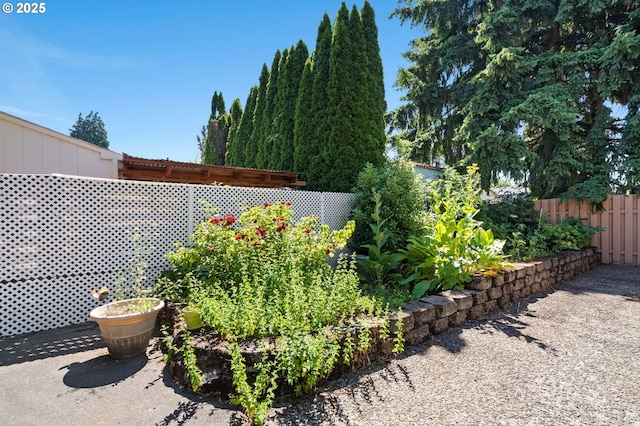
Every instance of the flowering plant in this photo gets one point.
(262, 244)
(264, 276)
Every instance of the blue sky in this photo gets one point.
(149, 68)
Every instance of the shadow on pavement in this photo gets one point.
(49, 343)
(102, 371)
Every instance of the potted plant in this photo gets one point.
(127, 323)
(192, 318)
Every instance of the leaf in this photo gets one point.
(421, 288)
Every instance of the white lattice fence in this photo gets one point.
(62, 236)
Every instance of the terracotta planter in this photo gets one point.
(126, 335)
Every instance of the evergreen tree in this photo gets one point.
(439, 79)
(525, 88)
(272, 134)
(303, 131)
(253, 143)
(264, 130)
(317, 144)
(217, 129)
(349, 148)
(90, 129)
(235, 117)
(377, 106)
(288, 100)
(238, 141)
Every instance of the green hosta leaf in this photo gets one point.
(422, 287)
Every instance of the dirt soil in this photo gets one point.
(565, 357)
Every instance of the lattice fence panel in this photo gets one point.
(235, 200)
(62, 236)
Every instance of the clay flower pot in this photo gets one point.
(126, 334)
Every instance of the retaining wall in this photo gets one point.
(422, 319)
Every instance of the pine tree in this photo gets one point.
(90, 129)
(252, 146)
(525, 89)
(264, 128)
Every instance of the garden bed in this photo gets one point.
(429, 316)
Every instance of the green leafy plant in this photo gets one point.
(380, 266)
(263, 276)
(402, 208)
(188, 353)
(569, 234)
(529, 234)
(454, 245)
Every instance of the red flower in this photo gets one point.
(261, 231)
(282, 227)
(308, 231)
(215, 220)
(229, 219)
(267, 205)
(328, 251)
(241, 236)
(257, 243)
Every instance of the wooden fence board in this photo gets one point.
(619, 242)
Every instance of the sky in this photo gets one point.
(150, 68)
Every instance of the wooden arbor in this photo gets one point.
(135, 168)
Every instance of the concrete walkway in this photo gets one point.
(569, 356)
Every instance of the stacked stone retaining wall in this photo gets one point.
(486, 294)
(421, 319)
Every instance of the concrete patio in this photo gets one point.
(568, 356)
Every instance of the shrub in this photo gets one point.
(264, 276)
(514, 221)
(402, 204)
(529, 234)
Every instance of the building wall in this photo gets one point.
(27, 148)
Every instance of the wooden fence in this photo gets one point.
(619, 242)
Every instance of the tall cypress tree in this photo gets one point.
(217, 129)
(318, 141)
(252, 145)
(288, 98)
(272, 132)
(349, 148)
(236, 154)
(376, 104)
(263, 129)
(235, 115)
(303, 131)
